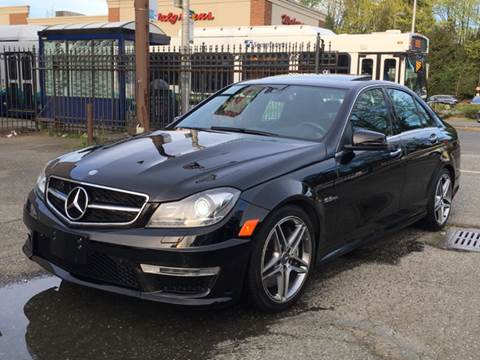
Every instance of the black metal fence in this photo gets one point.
(53, 89)
(18, 84)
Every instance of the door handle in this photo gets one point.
(433, 138)
(396, 153)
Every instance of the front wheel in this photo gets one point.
(440, 203)
(281, 260)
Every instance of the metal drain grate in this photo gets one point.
(463, 239)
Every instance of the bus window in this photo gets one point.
(367, 67)
(390, 69)
(165, 66)
(211, 71)
(26, 67)
(329, 61)
(12, 95)
(28, 96)
(343, 64)
(258, 65)
(12, 67)
(306, 62)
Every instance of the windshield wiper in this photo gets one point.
(243, 131)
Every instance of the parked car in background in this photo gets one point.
(443, 99)
(246, 192)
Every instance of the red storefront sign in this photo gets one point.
(287, 20)
(173, 18)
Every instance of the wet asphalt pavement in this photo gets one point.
(402, 298)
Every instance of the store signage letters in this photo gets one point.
(174, 18)
(287, 20)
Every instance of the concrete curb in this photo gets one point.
(466, 128)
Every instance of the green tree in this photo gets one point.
(453, 27)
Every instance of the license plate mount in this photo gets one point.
(69, 247)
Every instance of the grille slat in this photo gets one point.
(181, 285)
(107, 206)
(115, 198)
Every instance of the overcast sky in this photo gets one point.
(43, 8)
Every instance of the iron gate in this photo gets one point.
(53, 89)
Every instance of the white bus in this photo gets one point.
(17, 85)
(390, 55)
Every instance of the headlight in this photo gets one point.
(202, 209)
(41, 182)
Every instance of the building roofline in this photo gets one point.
(301, 8)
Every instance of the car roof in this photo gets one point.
(327, 80)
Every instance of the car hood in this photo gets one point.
(169, 165)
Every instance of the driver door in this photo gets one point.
(370, 182)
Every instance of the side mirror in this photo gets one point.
(367, 140)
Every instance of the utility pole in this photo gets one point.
(414, 15)
(142, 42)
(185, 74)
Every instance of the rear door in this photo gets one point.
(19, 71)
(370, 182)
(420, 138)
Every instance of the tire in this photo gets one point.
(440, 202)
(275, 262)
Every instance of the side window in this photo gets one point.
(371, 112)
(367, 67)
(406, 110)
(390, 70)
(427, 120)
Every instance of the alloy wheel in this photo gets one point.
(286, 259)
(443, 199)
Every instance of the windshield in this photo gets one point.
(415, 74)
(303, 112)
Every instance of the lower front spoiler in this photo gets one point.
(151, 296)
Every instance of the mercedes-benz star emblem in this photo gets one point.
(76, 204)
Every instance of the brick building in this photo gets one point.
(215, 13)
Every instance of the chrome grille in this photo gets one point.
(106, 206)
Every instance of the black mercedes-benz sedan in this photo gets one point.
(246, 192)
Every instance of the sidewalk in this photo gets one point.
(464, 124)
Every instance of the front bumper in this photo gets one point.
(92, 258)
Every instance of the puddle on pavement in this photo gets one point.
(13, 322)
(45, 318)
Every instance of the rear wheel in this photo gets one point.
(282, 259)
(440, 203)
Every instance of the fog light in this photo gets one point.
(172, 271)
